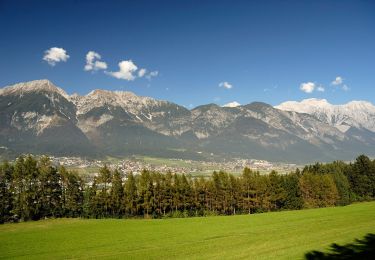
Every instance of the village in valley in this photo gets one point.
(195, 168)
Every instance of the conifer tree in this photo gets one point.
(103, 197)
(146, 193)
(6, 200)
(130, 195)
(116, 194)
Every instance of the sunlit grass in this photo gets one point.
(274, 235)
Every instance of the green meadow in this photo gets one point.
(276, 235)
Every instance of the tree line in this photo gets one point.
(33, 189)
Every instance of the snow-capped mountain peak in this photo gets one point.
(40, 117)
(355, 104)
(360, 114)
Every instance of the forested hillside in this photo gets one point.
(33, 189)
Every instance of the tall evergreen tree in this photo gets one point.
(72, 193)
(49, 189)
(293, 197)
(277, 191)
(359, 177)
(146, 193)
(130, 195)
(6, 200)
(103, 197)
(117, 194)
(167, 200)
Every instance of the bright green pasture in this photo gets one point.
(275, 235)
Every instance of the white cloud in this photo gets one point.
(232, 104)
(226, 85)
(55, 55)
(307, 87)
(338, 81)
(93, 62)
(129, 71)
(320, 88)
(127, 68)
(152, 74)
(345, 88)
(100, 65)
(141, 73)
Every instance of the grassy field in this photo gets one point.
(278, 235)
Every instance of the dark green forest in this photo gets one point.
(33, 189)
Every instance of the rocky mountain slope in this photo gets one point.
(359, 114)
(356, 118)
(39, 117)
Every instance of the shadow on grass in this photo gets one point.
(360, 249)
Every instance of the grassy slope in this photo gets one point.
(262, 236)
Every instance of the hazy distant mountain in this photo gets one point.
(39, 117)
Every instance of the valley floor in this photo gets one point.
(276, 235)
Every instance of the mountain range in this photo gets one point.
(40, 118)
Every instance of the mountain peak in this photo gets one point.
(33, 86)
(360, 114)
(315, 102)
(361, 104)
(207, 106)
(309, 103)
(119, 123)
(115, 93)
(303, 104)
(126, 100)
(257, 105)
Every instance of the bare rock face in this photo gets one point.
(359, 114)
(40, 117)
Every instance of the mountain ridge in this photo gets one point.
(39, 84)
(39, 116)
(354, 113)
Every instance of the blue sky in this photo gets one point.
(264, 50)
